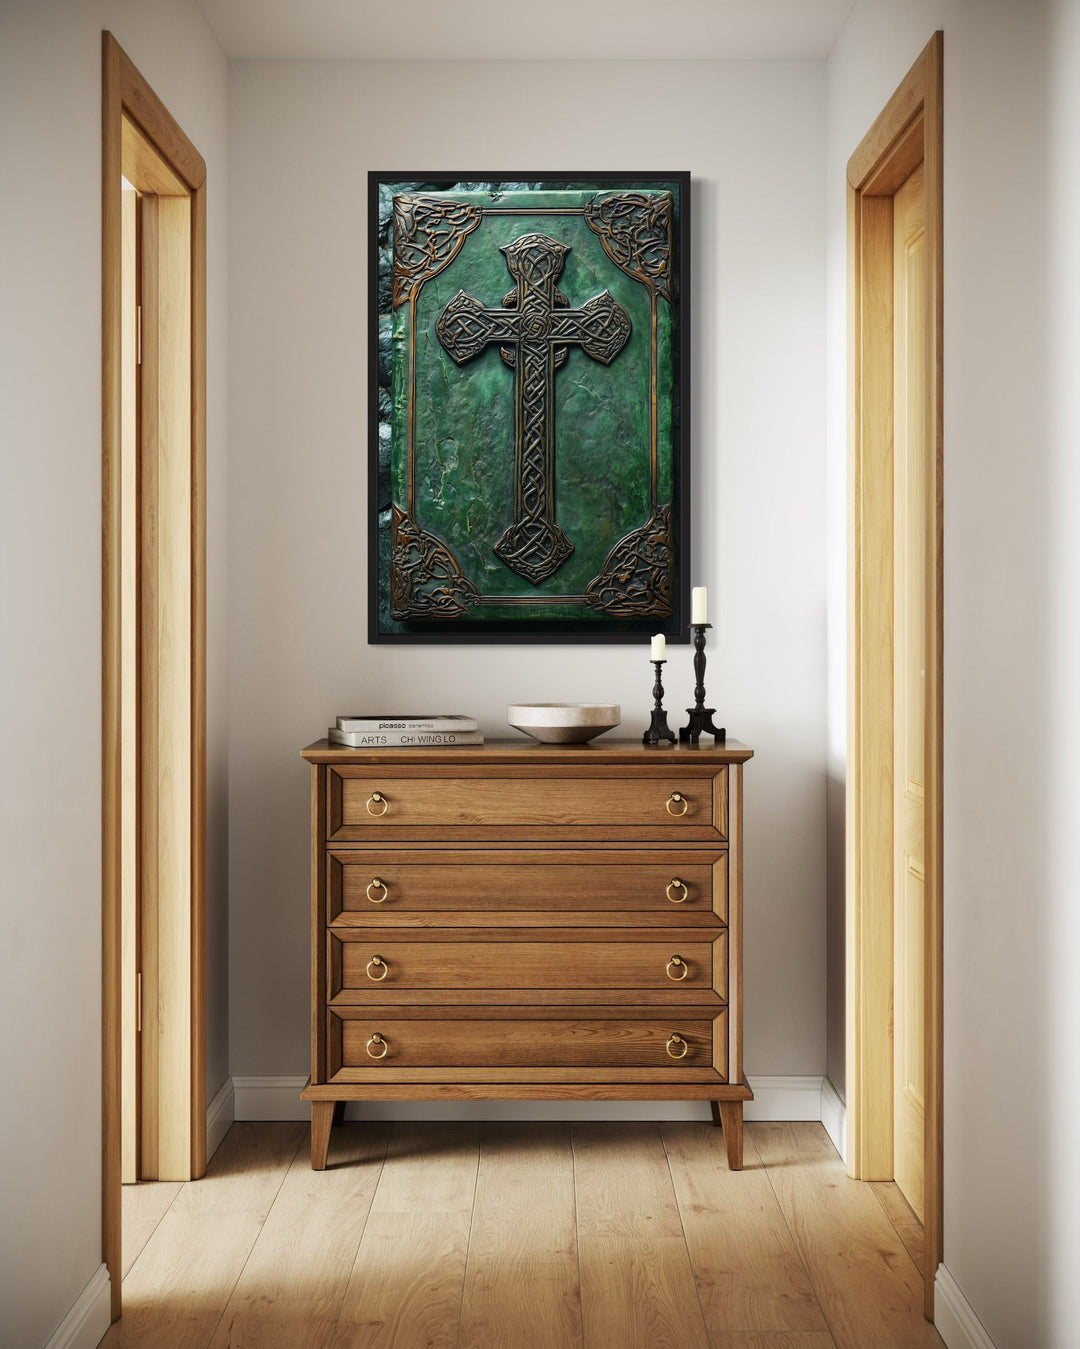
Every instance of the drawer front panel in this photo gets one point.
(388, 964)
(392, 1045)
(388, 802)
(410, 887)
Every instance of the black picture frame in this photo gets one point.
(614, 608)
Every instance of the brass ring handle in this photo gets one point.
(377, 799)
(378, 963)
(376, 884)
(378, 1043)
(677, 962)
(673, 884)
(675, 1042)
(675, 799)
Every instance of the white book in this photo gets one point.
(370, 723)
(392, 739)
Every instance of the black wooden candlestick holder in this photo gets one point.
(658, 727)
(701, 717)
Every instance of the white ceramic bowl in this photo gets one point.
(563, 723)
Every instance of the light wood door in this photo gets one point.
(911, 475)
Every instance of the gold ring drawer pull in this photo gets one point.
(377, 1047)
(676, 1046)
(377, 799)
(673, 884)
(676, 963)
(376, 884)
(672, 804)
(374, 964)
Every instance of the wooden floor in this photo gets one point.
(521, 1236)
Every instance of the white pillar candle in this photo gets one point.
(697, 605)
(659, 646)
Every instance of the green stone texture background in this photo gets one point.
(464, 463)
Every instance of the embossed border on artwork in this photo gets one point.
(418, 591)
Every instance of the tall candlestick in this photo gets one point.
(659, 647)
(698, 608)
(701, 717)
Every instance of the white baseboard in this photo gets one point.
(88, 1319)
(784, 1098)
(954, 1316)
(834, 1117)
(275, 1097)
(775, 1098)
(220, 1113)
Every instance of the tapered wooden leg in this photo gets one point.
(322, 1118)
(339, 1112)
(728, 1114)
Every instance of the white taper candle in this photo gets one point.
(698, 608)
(659, 646)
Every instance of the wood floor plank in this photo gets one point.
(142, 1207)
(750, 1277)
(773, 1339)
(622, 1182)
(902, 1216)
(638, 1293)
(277, 1323)
(637, 1285)
(869, 1289)
(430, 1168)
(406, 1284)
(183, 1279)
(309, 1240)
(521, 1285)
(246, 1172)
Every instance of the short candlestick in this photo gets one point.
(701, 717)
(658, 727)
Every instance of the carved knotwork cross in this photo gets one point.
(534, 327)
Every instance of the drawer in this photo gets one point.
(509, 1044)
(389, 964)
(390, 802)
(476, 887)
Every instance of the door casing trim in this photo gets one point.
(907, 132)
(128, 98)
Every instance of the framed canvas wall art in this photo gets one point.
(528, 392)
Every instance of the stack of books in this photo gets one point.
(373, 731)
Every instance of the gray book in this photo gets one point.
(410, 738)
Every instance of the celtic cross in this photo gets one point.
(534, 327)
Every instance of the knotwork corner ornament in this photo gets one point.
(528, 380)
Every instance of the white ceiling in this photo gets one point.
(486, 30)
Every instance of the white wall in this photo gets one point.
(1012, 625)
(303, 137)
(50, 613)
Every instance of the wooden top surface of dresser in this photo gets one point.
(603, 751)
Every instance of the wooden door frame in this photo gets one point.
(906, 133)
(133, 120)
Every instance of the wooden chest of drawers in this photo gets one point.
(529, 921)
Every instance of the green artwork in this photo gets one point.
(527, 464)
